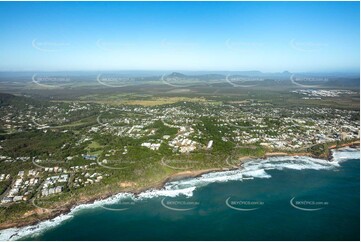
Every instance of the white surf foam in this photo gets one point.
(345, 153)
(33, 230)
(251, 170)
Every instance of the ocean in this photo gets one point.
(279, 198)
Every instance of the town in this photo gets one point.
(88, 144)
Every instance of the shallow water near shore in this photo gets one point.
(279, 198)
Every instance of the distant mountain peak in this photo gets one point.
(176, 74)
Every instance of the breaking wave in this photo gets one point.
(257, 168)
(345, 153)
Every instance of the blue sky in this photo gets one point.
(265, 36)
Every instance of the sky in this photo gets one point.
(196, 36)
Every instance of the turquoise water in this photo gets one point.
(326, 206)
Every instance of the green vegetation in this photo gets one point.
(128, 139)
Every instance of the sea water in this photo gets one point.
(279, 198)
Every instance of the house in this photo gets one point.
(210, 143)
(90, 157)
(17, 198)
(6, 200)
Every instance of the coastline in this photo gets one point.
(68, 206)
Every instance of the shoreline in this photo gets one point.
(90, 199)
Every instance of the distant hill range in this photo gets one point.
(281, 79)
(274, 79)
